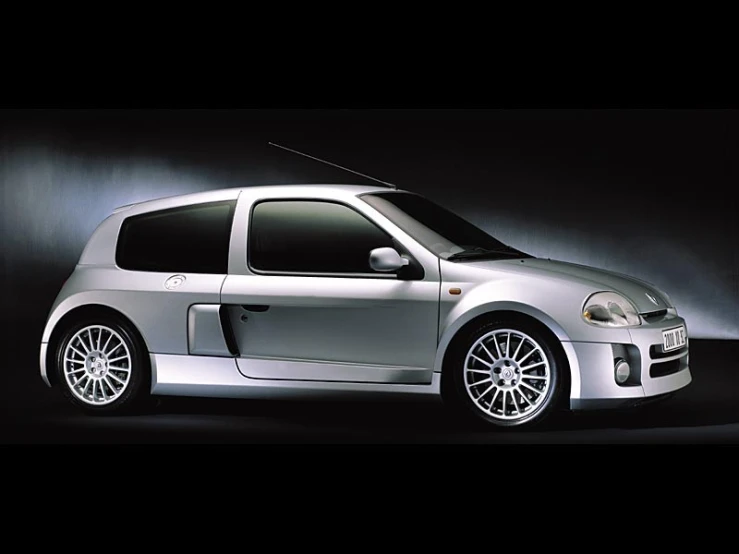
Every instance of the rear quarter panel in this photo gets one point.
(159, 314)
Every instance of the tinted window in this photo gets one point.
(193, 239)
(438, 229)
(312, 237)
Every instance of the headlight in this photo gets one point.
(609, 309)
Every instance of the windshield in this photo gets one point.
(443, 232)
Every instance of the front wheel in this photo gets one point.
(503, 374)
(102, 366)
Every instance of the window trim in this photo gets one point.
(232, 204)
(336, 275)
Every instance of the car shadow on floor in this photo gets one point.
(191, 420)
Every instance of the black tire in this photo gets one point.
(457, 396)
(135, 392)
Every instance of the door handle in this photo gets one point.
(255, 307)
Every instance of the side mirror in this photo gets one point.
(386, 259)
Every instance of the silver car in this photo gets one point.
(339, 290)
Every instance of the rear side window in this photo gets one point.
(312, 236)
(191, 239)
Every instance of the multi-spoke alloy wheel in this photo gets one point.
(97, 365)
(101, 364)
(507, 374)
(504, 373)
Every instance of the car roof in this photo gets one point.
(232, 193)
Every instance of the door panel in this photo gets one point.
(334, 328)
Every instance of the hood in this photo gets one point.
(639, 292)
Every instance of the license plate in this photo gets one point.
(672, 339)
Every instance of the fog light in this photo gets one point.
(623, 370)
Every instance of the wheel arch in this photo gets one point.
(78, 314)
(552, 332)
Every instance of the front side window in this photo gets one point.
(191, 239)
(441, 231)
(309, 236)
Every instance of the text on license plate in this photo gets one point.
(672, 339)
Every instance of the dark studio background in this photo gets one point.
(650, 193)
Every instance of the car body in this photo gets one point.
(339, 290)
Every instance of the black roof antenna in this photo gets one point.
(333, 164)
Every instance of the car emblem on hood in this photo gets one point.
(653, 299)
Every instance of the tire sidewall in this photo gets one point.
(456, 393)
(140, 373)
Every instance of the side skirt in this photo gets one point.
(215, 377)
(304, 370)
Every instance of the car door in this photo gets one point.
(307, 306)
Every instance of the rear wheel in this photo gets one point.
(504, 374)
(102, 366)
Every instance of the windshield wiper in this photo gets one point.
(481, 253)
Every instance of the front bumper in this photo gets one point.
(653, 372)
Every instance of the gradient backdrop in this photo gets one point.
(651, 193)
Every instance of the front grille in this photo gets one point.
(650, 316)
(656, 351)
(662, 369)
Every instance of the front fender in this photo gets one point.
(555, 303)
(461, 315)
